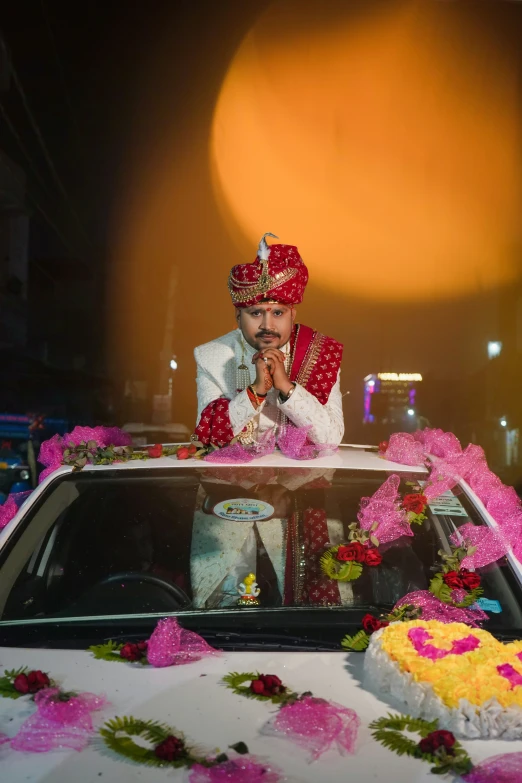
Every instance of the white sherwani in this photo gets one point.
(217, 364)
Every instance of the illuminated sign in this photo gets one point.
(399, 376)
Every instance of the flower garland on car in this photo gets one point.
(169, 645)
(382, 518)
(441, 749)
(20, 682)
(453, 580)
(360, 640)
(169, 748)
(104, 446)
(448, 464)
(313, 723)
(61, 720)
(437, 746)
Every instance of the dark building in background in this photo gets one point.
(14, 248)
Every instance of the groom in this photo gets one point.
(269, 372)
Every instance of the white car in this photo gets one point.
(106, 552)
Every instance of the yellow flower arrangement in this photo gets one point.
(472, 675)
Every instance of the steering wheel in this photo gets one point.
(133, 576)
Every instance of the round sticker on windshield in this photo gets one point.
(241, 509)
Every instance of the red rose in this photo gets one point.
(373, 557)
(37, 681)
(470, 579)
(353, 551)
(415, 503)
(383, 446)
(371, 623)
(32, 682)
(436, 740)
(155, 451)
(452, 579)
(257, 686)
(267, 685)
(183, 453)
(170, 749)
(133, 652)
(21, 683)
(192, 449)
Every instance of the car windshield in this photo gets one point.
(131, 543)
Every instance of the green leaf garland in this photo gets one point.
(358, 642)
(389, 731)
(235, 681)
(110, 651)
(342, 572)
(7, 689)
(118, 735)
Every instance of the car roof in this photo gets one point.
(351, 457)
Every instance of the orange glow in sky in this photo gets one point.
(385, 145)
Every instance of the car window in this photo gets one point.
(139, 541)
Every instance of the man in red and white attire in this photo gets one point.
(269, 372)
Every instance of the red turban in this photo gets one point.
(278, 274)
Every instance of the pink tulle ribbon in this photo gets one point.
(490, 544)
(434, 609)
(316, 725)
(58, 724)
(405, 450)
(246, 769)
(506, 768)
(384, 508)
(292, 441)
(51, 451)
(238, 453)
(10, 508)
(451, 464)
(172, 645)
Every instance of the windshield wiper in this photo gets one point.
(256, 640)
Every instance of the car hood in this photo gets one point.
(191, 699)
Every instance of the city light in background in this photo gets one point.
(494, 348)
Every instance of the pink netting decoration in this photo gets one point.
(484, 482)
(471, 460)
(506, 768)
(384, 507)
(58, 724)
(449, 464)
(404, 449)
(51, 450)
(10, 508)
(294, 443)
(439, 443)
(316, 725)
(242, 770)
(236, 453)
(172, 645)
(443, 476)
(434, 609)
(491, 544)
(4, 739)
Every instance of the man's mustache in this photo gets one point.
(268, 334)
